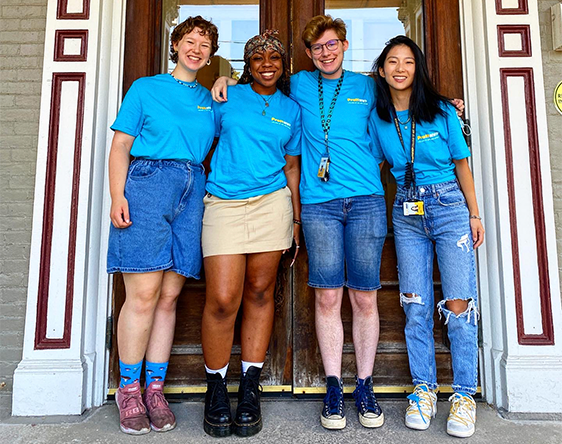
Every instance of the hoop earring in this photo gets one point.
(208, 62)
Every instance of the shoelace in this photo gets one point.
(333, 401)
(219, 392)
(133, 401)
(156, 399)
(461, 408)
(421, 398)
(366, 397)
(251, 386)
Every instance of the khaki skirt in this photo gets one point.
(242, 226)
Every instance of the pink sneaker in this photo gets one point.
(161, 417)
(132, 412)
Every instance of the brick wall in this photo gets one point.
(552, 64)
(22, 30)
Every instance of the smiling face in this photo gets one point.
(266, 68)
(399, 69)
(328, 62)
(194, 50)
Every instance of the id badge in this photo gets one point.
(414, 208)
(324, 168)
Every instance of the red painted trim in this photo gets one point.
(522, 8)
(62, 14)
(525, 33)
(41, 340)
(547, 335)
(61, 35)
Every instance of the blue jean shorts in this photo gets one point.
(344, 240)
(166, 210)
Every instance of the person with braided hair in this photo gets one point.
(252, 215)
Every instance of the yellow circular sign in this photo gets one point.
(558, 97)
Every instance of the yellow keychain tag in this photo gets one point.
(414, 208)
(324, 168)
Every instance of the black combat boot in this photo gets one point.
(218, 418)
(248, 420)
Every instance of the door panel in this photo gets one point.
(293, 361)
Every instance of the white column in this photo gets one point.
(518, 269)
(64, 357)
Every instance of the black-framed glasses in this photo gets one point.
(331, 45)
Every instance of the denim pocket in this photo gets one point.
(451, 198)
(142, 171)
(399, 201)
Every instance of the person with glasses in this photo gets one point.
(343, 211)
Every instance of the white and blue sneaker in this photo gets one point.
(423, 407)
(462, 416)
(333, 414)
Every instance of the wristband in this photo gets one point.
(297, 221)
(474, 216)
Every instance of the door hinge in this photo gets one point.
(467, 131)
(109, 332)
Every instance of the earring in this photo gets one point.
(208, 62)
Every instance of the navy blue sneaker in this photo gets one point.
(369, 410)
(333, 415)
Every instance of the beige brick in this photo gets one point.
(8, 49)
(32, 50)
(21, 37)
(21, 62)
(8, 75)
(20, 12)
(7, 101)
(30, 75)
(38, 24)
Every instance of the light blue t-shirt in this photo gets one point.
(354, 171)
(437, 144)
(250, 155)
(167, 119)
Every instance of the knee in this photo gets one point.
(457, 306)
(168, 299)
(363, 301)
(258, 291)
(328, 301)
(221, 305)
(142, 302)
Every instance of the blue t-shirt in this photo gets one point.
(168, 120)
(354, 171)
(250, 155)
(437, 144)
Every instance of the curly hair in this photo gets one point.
(318, 25)
(207, 28)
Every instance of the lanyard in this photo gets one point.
(409, 177)
(327, 121)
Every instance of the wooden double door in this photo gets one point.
(293, 363)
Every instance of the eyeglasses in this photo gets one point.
(331, 45)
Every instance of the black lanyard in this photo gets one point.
(409, 176)
(327, 121)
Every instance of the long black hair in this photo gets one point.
(284, 82)
(425, 101)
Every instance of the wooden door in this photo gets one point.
(293, 362)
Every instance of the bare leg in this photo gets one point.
(162, 336)
(365, 330)
(225, 286)
(137, 314)
(329, 328)
(259, 304)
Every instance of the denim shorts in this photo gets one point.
(166, 210)
(344, 240)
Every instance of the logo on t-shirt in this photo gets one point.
(428, 137)
(203, 108)
(357, 101)
(281, 122)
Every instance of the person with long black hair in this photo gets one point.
(435, 209)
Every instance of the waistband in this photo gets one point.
(184, 164)
(427, 190)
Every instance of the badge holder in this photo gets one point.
(324, 169)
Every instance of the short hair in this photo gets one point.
(318, 25)
(207, 28)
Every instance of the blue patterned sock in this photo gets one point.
(155, 371)
(130, 373)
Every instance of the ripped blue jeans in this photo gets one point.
(445, 229)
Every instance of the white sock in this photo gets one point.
(222, 371)
(246, 365)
